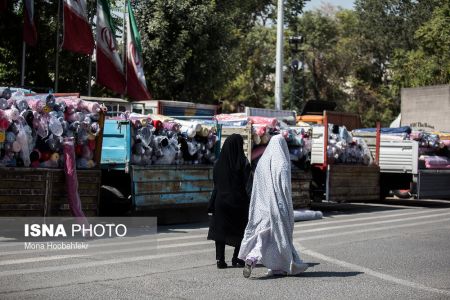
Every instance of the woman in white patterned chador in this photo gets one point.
(268, 235)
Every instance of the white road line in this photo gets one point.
(101, 263)
(318, 222)
(326, 223)
(37, 259)
(371, 272)
(373, 223)
(188, 237)
(182, 253)
(331, 235)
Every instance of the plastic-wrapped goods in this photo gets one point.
(345, 149)
(238, 119)
(175, 142)
(306, 215)
(3, 103)
(71, 178)
(435, 161)
(35, 127)
(270, 122)
(260, 130)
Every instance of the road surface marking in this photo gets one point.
(181, 253)
(101, 263)
(331, 235)
(37, 259)
(371, 272)
(374, 223)
(113, 244)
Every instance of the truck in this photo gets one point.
(322, 181)
(173, 193)
(117, 106)
(422, 108)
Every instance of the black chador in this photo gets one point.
(229, 202)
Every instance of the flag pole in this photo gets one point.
(124, 46)
(279, 57)
(57, 47)
(22, 76)
(90, 75)
(90, 19)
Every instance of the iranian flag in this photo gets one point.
(29, 28)
(136, 86)
(109, 66)
(77, 30)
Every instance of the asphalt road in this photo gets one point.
(358, 251)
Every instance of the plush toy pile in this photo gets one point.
(33, 128)
(161, 140)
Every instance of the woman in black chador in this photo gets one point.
(229, 201)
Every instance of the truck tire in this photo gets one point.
(113, 202)
(402, 194)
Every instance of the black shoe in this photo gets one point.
(237, 262)
(221, 264)
(248, 268)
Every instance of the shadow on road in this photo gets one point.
(331, 209)
(319, 274)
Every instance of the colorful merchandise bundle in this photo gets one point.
(159, 140)
(33, 129)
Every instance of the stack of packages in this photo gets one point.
(434, 151)
(345, 149)
(263, 128)
(33, 128)
(433, 147)
(161, 140)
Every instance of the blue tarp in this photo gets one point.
(404, 129)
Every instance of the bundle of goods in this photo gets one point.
(429, 142)
(387, 134)
(307, 215)
(434, 152)
(433, 147)
(33, 128)
(238, 119)
(346, 149)
(263, 128)
(434, 162)
(165, 141)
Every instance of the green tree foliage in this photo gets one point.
(186, 48)
(356, 58)
(40, 60)
(429, 62)
(254, 84)
(389, 25)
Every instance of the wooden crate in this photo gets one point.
(301, 183)
(346, 183)
(245, 132)
(171, 186)
(42, 192)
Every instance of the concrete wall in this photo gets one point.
(426, 108)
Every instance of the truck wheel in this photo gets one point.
(113, 202)
(402, 194)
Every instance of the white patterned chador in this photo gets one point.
(268, 235)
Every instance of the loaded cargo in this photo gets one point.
(350, 173)
(414, 152)
(158, 165)
(43, 140)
